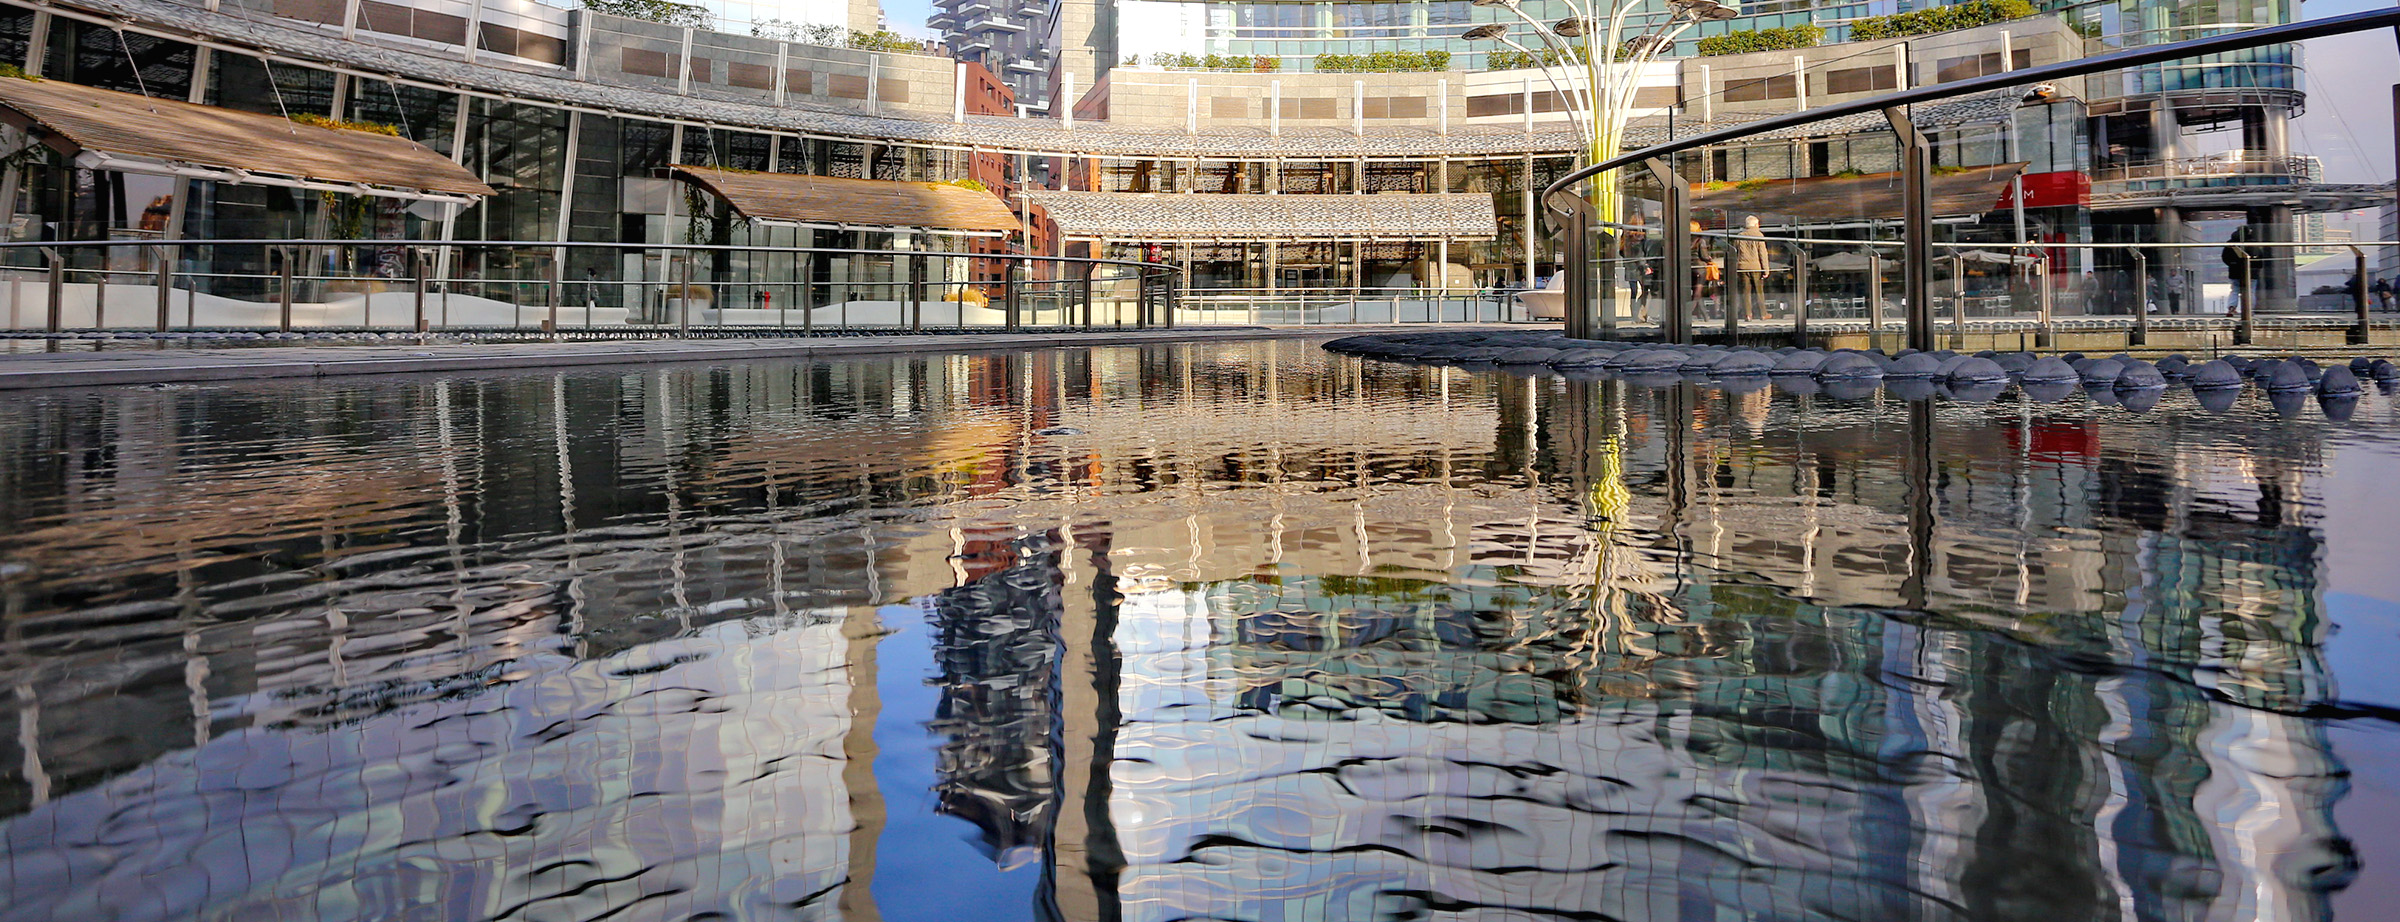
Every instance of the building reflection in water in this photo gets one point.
(1240, 632)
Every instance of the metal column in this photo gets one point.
(283, 296)
(166, 284)
(1676, 241)
(1083, 292)
(1916, 208)
(58, 288)
(1578, 290)
(416, 272)
(2244, 290)
(1012, 319)
(916, 293)
(2358, 333)
(2141, 300)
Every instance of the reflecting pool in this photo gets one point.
(1243, 631)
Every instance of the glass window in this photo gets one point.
(421, 114)
(251, 85)
(124, 61)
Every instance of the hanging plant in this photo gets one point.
(319, 121)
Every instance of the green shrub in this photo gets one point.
(1518, 60)
(884, 40)
(1788, 37)
(1384, 62)
(1939, 19)
(663, 12)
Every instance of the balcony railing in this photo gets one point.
(2244, 164)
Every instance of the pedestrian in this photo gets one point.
(2383, 293)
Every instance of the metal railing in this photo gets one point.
(1574, 214)
(2238, 164)
(1304, 306)
(1993, 289)
(555, 288)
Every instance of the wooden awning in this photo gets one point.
(109, 130)
(1839, 199)
(833, 201)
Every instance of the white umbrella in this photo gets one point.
(1845, 261)
(1996, 258)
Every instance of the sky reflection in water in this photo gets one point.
(1240, 632)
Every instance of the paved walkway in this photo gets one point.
(132, 364)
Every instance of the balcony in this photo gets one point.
(2234, 168)
(993, 23)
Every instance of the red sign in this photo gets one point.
(2064, 189)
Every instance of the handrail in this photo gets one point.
(2148, 54)
(586, 244)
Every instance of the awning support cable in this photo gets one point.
(135, 66)
(269, 67)
(400, 109)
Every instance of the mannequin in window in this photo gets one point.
(1749, 295)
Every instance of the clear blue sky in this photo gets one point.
(2350, 78)
(908, 17)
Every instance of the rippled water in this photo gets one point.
(1224, 632)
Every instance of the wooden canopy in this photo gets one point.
(795, 198)
(1835, 199)
(109, 130)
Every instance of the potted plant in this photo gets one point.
(681, 299)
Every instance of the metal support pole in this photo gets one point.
(916, 293)
(1166, 298)
(1009, 288)
(1734, 283)
(683, 298)
(58, 288)
(2044, 335)
(1675, 326)
(1958, 300)
(2358, 334)
(558, 286)
(1578, 258)
(807, 295)
(1874, 298)
(166, 284)
(2141, 299)
(416, 271)
(2243, 329)
(1799, 295)
(1083, 293)
(1916, 207)
(283, 296)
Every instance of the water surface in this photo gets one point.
(1235, 631)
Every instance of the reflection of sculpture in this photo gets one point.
(1749, 295)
